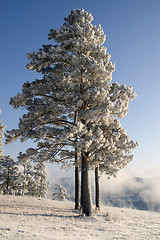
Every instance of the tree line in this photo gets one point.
(21, 178)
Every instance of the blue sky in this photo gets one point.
(133, 40)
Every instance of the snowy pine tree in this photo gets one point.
(8, 175)
(31, 184)
(2, 127)
(34, 178)
(25, 176)
(8, 169)
(60, 194)
(41, 179)
(1, 136)
(77, 74)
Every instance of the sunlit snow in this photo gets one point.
(31, 218)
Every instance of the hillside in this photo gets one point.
(30, 218)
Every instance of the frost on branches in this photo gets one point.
(2, 127)
(34, 178)
(8, 169)
(30, 181)
(41, 179)
(60, 194)
(75, 105)
(25, 179)
(21, 178)
(8, 175)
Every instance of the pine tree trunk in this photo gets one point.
(97, 188)
(77, 205)
(86, 200)
(76, 182)
(7, 181)
(7, 185)
(24, 184)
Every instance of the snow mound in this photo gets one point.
(30, 218)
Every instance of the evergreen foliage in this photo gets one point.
(32, 180)
(60, 194)
(77, 75)
(8, 175)
(41, 180)
(2, 127)
(23, 179)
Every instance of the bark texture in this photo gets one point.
(97, 187)
(77, 204)
(86, 200)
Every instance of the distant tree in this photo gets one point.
(77, 74)
(31, 181)
(41, 179)
(60, 194)
(34, 177)
(34, 180)
(23, 181)
(8, 169)
(8, 175)
(2, 127)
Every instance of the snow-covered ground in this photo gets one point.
(44, 219)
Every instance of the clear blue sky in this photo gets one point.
(133, 40)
